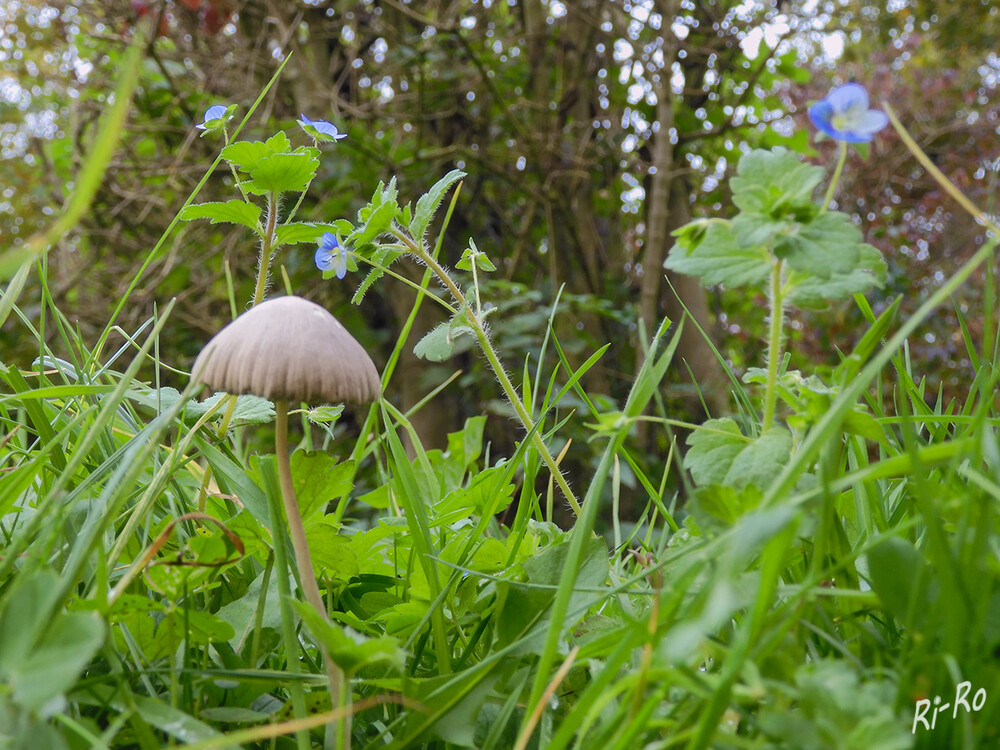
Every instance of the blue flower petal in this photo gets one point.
(330, 256)
(321, 129)
(324, 260)
(340, 264)
(213, 115)
(821, 113)
(850, 96)
(215, 112)
(329, 242)
(871, 121)
(844, 115)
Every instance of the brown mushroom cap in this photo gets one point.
(291, 349)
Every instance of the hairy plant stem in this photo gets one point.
(265, 248)
(774, 345)
(491, 355)
(307, 578)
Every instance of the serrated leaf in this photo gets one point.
(775, 183)
(722, 503)
(756, 229)
(758, 463)
(711, 450)
(718, 453)
(436, 345)
(718, 259)
(829, 244)
(325, 414)
(231, 212)
(281, 173)
(813, 293)
(318, 479)
(306, 233)
(249, 409)
(428, 203)
(278, 143)
(378, 222)
(332, 556)
(245, 154)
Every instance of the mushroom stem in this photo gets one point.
(303, 561)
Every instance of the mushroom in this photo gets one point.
(289, 349)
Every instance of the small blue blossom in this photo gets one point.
(215, 117)
(330, 256)
(844, 115)
(321, 130)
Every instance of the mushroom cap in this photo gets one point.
(290, 349)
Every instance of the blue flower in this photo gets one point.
(321, 130)
(844, 115)
(330, 256)
(215, 117)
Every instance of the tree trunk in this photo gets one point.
(667, 208)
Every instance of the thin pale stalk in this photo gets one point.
(303, 561)
(841, 160)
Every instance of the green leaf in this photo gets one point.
(812, 292)
(378, 222)
(712, 448)
(58, 659)
(349, 649)
(246, 154)
(318, 479)
(761, 461)
(202, 627)
(719, 454)
(719, 259)
(377, 498)
(467, 444)
(325, 414)
(901, 578)
(775, 183)
(756, 229)
(26, 606)
(523, 611)
(489, 492)
(829, 244)
(305, 233)
(722, 503)
(282, 173)
(429, 202)
(232, 212)
(332, 556)
(249, 409)
(241, 613)
(384, 256)
(439, 343)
